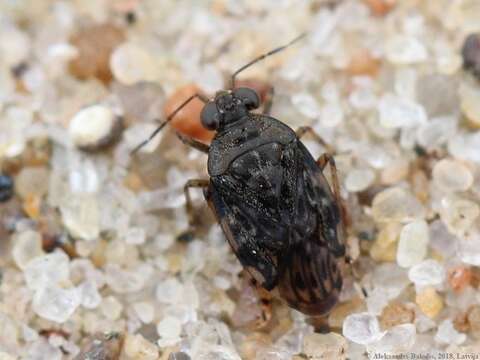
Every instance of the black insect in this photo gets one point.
(278, 212)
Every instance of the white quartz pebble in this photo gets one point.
(428, 272)
(413, 242)
(447, 334)
(397, 112)
(56, 304)
(451, 175)
(49, 269)
(359, 179)
(325, 346)
(398, 339)
(145, 311)
(396, 205)
(362, 328)
(169, 330)
(93, 126)
(27, 245)
(404, 49)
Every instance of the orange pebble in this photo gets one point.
(459, 277)
(363, 63)
(380, 7)
(396, 314)
(460, 322)
(31, 206)
(187, 120)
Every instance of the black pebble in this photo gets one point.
(131, 17)
(471, 54)
(6, 188)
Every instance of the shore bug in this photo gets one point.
(283, 221)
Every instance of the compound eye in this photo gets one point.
(248, 96)
(210, 117)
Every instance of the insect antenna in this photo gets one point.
(167, 120)
(261, 57)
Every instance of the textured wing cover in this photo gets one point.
(280, 218)
(312, 281)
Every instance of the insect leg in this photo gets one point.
(192, 183)
(269, 101)
(322, 161)
(265, 302)
(302, 130)
(193, 143)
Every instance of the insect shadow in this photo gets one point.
(281, 217)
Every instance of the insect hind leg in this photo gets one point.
(265, 304)
(323, 161)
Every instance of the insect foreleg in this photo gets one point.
(192, 183)
(193, 143)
